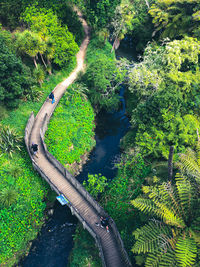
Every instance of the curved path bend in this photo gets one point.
(111, 253)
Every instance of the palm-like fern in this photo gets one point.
(190, 163)
(10, 140)
(175, 240)
(8, 196)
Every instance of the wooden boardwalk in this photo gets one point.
(110, 248)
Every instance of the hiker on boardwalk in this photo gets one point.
(104, 223)
(34, 147)
(52, 97)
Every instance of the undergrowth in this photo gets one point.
(70, 132)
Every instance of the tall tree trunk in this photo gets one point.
(35, 63)
(49, 66)
(113, 46)
(43, 60)
(170, 163)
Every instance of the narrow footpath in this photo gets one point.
(111, 250)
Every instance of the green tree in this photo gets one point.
(165, 90)
(122, 22)
(175, 19)
(60, 45)
(95, 184)
(175, 239)
(101, 79)
(100, 13)
(143, 27)
(15, 77)
(29, 43)
(10, 12)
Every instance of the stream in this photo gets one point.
(55, 241)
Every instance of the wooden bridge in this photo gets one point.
(86, 209)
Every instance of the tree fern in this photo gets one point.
(190, 163)
(161, 259)
(176, 240)
(186, 251)
(159, 208)
(150, 237)
(186, 194)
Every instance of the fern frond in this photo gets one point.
(150, 238)
(172, 198)
(190, 166)
(186, 251)
(186, 194)
(198, 154)
(159, 209)
(161, 259)
(145, 205)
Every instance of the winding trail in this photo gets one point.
(81, 203)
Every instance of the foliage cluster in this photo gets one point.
(15, 77)
(102, 76)
(172, 238)
(176, 19)
(142, 26)
(22, 191)
(43, 39)
(98, 13)
(70, 131)
(21, 205)
(54, 40)
(95, 184)
(165, 86)
(84, 252)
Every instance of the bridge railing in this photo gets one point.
(82, 190)
(77, 185)
(74, 211)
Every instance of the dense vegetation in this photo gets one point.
(70, 132)
(163, 104)
(159, 206)
(24, 86)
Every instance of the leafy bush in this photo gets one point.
(21, 206)
(95, 184)
(102, 76)
(70, 131)
(84, 252)
(15, 77)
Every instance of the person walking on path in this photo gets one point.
(34, 147)
(52, 97)
(104, 223)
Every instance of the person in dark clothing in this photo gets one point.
(34, 147)
(52, 97)
(104, 223)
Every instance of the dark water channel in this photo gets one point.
(54, 243)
